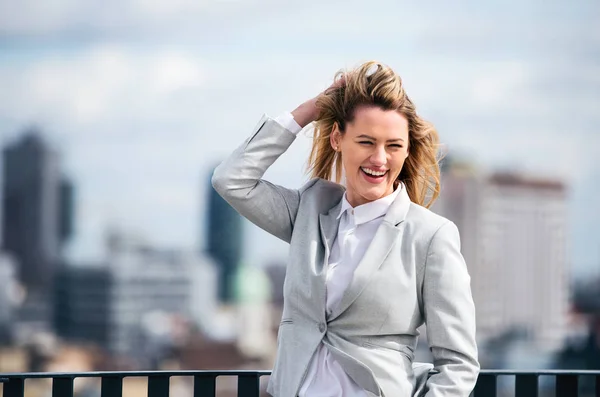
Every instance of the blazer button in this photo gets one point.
(322, 327)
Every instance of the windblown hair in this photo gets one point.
(375, 84)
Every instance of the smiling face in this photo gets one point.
(373, 147)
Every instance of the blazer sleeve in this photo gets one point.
(449, 317)
(238, 180)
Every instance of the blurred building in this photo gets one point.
(514, 239)
(130, 304)
(9, 297)
(253, 296)
(276, 273)
(224, 241)
(82, 304)
(37, 209)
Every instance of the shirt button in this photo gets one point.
(322, 327)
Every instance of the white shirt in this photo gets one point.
(325, 377)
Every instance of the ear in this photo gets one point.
(335, 137)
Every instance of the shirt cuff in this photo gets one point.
(286, 120)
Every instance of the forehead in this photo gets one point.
(384, 124)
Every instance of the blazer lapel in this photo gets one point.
(329, 224)
(384, 240)
(328, 227)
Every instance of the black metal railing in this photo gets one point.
(566, 383)
(526, 383)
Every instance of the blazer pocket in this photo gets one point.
(286, 321)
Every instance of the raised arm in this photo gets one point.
(238, 178)
(450, 317)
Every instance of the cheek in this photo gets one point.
(352, 159)
(398, 164)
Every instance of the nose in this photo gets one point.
(379, 156)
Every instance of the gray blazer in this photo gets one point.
(412, 273)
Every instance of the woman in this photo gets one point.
(368, 262)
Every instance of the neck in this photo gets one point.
(355, 199)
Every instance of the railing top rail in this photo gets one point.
(123, 374)
(539, 372)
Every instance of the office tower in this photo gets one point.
(224, 236)
(37, 209)
(514, 239)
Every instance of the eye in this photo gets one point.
(395, 145)
(365, 142)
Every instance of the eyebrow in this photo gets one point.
(373, 139)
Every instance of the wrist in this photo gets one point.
(306, 113)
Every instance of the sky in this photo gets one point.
(143, 98)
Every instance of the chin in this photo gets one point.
(374, 194)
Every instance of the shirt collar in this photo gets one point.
(367, 212)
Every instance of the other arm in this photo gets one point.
(449, 316)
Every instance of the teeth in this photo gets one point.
(371, 172)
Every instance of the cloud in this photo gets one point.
(60, 18)
(98, 83)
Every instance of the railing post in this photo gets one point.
(526, 386)
(485, 386)
(14, 388)
(567, 385)
(62, 387)
(111, 387)
(205, 386)
(158, 386)
(248, 385)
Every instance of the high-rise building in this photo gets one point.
(514, 239)
(37, 205)
(224, 236)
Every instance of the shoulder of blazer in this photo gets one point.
(322, 187)
(427, 221)
(320, 195)
(424, 224)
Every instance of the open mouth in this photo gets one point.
(373, 176)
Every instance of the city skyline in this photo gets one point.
(142, 104)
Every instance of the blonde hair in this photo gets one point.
(375, 84)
